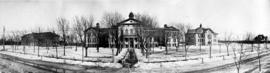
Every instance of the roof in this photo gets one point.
(100, 29)
(200, 30)
(95, 28)
(130, 20)
(45, 34)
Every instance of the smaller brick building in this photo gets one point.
(40, 39)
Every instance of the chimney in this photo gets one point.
(165, 26)
(200, 25)
(131, 15)
(97, 25)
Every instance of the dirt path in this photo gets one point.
(226, 66)
(55, 67)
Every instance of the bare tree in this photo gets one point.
(110, 20)
(38, 41)
(147, 20)
(110, 41)
(16, 39)
(3, 37)
(210, 50)
(183, 28)
(238, 56)
(63, 27)
(81, 24)
(23, 33)
(259, 39)
(249, 38)
(166, 40)
(258, 50)
(186, 50)
(228, 41)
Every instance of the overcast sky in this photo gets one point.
(236, 16)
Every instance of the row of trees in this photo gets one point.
(72, 31)
(108, 20)
(240, 53)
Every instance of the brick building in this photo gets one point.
(40, 39)
(201, 36)
(131, 33)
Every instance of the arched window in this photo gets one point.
(131, 31)
(126, 31)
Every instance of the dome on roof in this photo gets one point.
(131, 15)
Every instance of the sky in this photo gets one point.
(223, 16)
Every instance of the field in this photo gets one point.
(158, 60)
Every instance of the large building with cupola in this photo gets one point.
(131, 33)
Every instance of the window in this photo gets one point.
(209, 36)
(126, 31)
(131, 31)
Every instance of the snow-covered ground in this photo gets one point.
(158, 60)
(192, 64)
(102, 58)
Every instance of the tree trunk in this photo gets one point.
(64, 49)
(210, 51)
(259, 57)
(23, 49)
(252, 47)
(238, 70)
(166, 49)
(142, 50)
(82, 53)
(118, 46)
(227, 50)
(38, 50)
(86, 51)
(112, 52)
(260, 64)
(177, 46)
(56, 51)
(34, 47)
(266, 45)
(185, 52)
(64, 37)
(97, 48)
(76, 47)
(147, 52)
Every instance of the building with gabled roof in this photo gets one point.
(130, 32)
(201, 36)
(40, 39)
